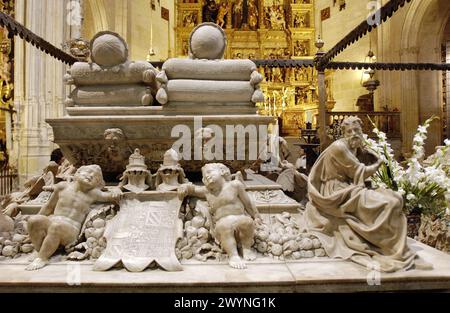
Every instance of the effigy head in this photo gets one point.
(207, 41)
(108, 49)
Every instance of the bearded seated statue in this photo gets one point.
(354, 222)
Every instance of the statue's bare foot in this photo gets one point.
(36, 264)
(248, 254)
(236, 262)
(421, 264)
(32, 256)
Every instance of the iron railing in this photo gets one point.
(8, 177)
(386, 121)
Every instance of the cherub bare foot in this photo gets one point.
(248, 254)
(36, 264)
(236, 262)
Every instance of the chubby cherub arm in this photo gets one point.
(49, 207)
(249, 205)
(192, 190)
(114, 195)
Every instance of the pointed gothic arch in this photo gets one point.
(99, 15)
(420, 41)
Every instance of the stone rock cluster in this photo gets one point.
(92, 241)
(197, 241)
(435, 232)
(280, 239)
(17, 242)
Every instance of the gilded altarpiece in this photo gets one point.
(6, 80)
(264, 29)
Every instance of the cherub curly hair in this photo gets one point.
(98, 174)
(225, 171)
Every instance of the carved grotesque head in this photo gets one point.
(115, 138)
(114, 134)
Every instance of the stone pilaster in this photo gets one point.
(121, 18)
(448, 91)
(39, 91)
(409, 99)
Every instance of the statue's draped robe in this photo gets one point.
(352, 221)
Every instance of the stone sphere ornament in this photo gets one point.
(108, 49)
(208, 41)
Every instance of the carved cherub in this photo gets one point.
(228, 202)
(59, 221)
(223, 11)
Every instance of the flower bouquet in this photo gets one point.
(425, 186)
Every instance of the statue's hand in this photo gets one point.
(379, 162)
(258, 219)
(49, 188)
(116, 194)
(183, 191)
(374, 167)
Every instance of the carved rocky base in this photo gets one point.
(435, 232)
(16, 243)
(413, 224)
(279, 237)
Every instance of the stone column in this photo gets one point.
(39, 89)
(447, 77)
(322, 120)
(74, 18)
(384, 54)
(19, 52)
(230, 16)
(121, 18)
(409, 99)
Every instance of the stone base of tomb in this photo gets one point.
(263, 275)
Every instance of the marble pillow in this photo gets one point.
(233, 70)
